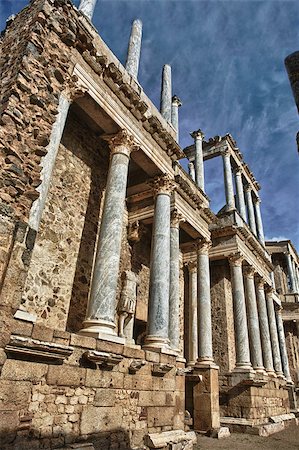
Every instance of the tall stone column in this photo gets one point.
(166, 95)
(193, 330)
(174, 289)
(282, 345)
(158, 307)
(264, 327)
(273, 333)
(228, 180)
(48, 162)
(250, 210)
(191, 170)
(175, 105)
(100, 316)
(295, 277)
(241, 330)
(204, 313)
(272, 280)
(290, 272)
(253, 321)
(87, 7)
(240, 193)
(259, 222)
(134, 49)
(199, 166)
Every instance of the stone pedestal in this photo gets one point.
(206, 400)
(158, 307)
(100, 315)
(134, 48)
(199, 166)
(228, 181)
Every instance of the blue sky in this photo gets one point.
(227, 61)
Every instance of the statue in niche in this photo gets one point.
(127, 305)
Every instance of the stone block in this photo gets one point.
(66, 375)
(78, 340)
(159, 399)
(23, 370)
(160, 416)
(167, 359)
(42, 333)
(104, 379)
(61, 334)
(98, 419)
(134, 352)
(21, 328)
(145, 398)
(152, 356)
(110, 347)
(9, 421)
(14, 396)
(105, 397)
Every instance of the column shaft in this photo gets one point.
(193, 330)
(264, 328)
(100, 316)
(259, 222)
(158, 308)
(250, 210)
(228, 181)
(205, 348)
(240, 194)
(174, 290)
(134, 49)
(175, 105)
(199, 166)
(282, 345)
(241, 329)
(166, 94)
(87, 7)
(191, 170)
(253, 321)
(290, 272)
(273, 334)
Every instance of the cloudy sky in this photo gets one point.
(227, 61)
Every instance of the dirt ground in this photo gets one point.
(287, 439)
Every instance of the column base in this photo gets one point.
(271, 373)
(205, 362)
(243, 367)
(280, 375)
(157, 344)
(260, 370)
(101, 329)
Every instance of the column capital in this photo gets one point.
(238, 170)
(247, 187)
(225, 151)
(236, 259)
(203, 246)
(260, 282)
(121, 142)
(249, 272)
(256, 199)
(175, 218)
(176, 101)
(197, 134)
(163, 184)
(192, 266)
(269, 291)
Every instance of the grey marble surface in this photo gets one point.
(250, 210)
(87, 7)
(282, 345)
(274, 335)
(240, 195)
(174, 288)
(264, 329)
(290, 272)
(193, 330)
(228, 181)
(166, 93)
(259, 222)
(199, 166)
(205, 348)
(134, 49)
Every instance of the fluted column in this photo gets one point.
(241, 330)
(282, 345)
(87, 7)
(100, 316)
(204, 313)
(240, 193)
(175, 105)
(259, 222)
(191, 170)
(166, 95)
(253, 321)
(250, 210)
(290, 272)
(228, 180)
(199, 166)
(264, 327)
(273, 333)
(193, 330)
(134, 49)
(158, 306)
(174, 290)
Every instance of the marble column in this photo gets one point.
(250, 210)
(193, 330)
(282, 345)
(290, 272)
(259, 222)
(295, 272)
(100, 316)
(253, 321)
(264, 327)
(87, 7)
(166, 95)
(199, 166)
(204, 313)
(240, 193)
(273, 333)
(48, 162)
(228, 181)
(191, 170)
(174, 283)
(241, 330)
(175, 105)
(134, 49)
(158, 306)
(272, 280)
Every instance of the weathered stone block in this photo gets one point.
(14, 396)
(78, 340)
(97, 419)
(23, 370)
(110, 347)
(160, 416)
(21, 328)
(66, 375)
(133, 352)
(104, 379)
(42, 333)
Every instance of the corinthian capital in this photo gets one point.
(175, 218)
(163, 185)
(197, 134)
(260, 282)
(249, 272)
(203, 246)
(122, 142)
(236, 259)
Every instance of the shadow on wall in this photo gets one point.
(16, 439)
